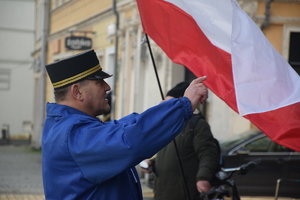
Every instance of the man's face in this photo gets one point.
(95, 94)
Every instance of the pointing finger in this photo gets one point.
(199, 80)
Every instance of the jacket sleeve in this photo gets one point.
(103, 150)
(206, 150)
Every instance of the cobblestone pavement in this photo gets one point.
(20, 173)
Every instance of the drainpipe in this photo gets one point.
(42, 70)
(267, 14)
(113, 94)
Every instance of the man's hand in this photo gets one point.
(196, 92)
(203, 186)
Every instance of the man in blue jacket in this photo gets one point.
(84, 158)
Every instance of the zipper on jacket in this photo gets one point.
(136, 183)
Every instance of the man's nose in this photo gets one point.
(107, 86)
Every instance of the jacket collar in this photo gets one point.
(54, 109)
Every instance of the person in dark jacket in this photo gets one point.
(84, 158)
(198, 154)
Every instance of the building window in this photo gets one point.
(294, 55)
(4, 79)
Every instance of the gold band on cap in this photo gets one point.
(77, 77)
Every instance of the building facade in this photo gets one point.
(16, 77)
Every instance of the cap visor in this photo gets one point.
(99, 75)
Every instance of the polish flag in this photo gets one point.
(218, 39)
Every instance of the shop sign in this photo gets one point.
(78, 43)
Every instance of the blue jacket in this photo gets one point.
(83, 158)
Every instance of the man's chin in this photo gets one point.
(106, 110)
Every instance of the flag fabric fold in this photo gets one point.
(219, 40)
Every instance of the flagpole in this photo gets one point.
(155, 69)
(163, 98)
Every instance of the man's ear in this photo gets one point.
(76, 92)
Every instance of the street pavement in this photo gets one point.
(20, 173)
(21, 179)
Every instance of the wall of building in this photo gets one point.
(90, 19)
(16, 75)
(73, 12)
(138, 87)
